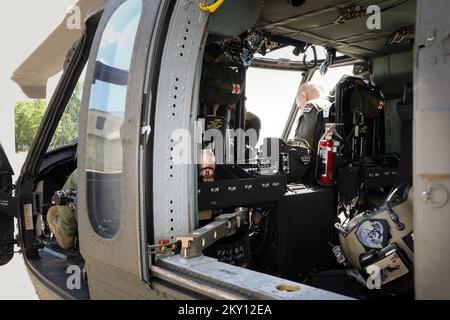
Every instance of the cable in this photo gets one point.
(264, 216)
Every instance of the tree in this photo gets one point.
(67, 130)
(29, 115)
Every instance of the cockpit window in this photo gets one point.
(270, 95)
(105, 118)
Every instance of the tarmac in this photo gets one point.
(14, 281)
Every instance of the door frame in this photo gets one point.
(431, 151)
(25, 185)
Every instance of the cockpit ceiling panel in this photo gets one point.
(314, 22)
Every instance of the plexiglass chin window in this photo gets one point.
(105, 119)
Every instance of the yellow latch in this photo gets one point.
(211, 8)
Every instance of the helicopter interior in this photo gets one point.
(52, 261)
(298, 224)
(294, 227)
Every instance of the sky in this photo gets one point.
(271, 94)
(116, 49)
(24, 25)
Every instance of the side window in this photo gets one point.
(105, 118)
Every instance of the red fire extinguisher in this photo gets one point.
(327, 149)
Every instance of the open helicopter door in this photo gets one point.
(108, 161)
(8, 209)
(174, 167)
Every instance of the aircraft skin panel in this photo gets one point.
(42, 291)
(171, 183)
(123, 249)
(431, 153)
(48, 59)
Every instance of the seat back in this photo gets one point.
(359, 102)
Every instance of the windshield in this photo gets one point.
(270, 95)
